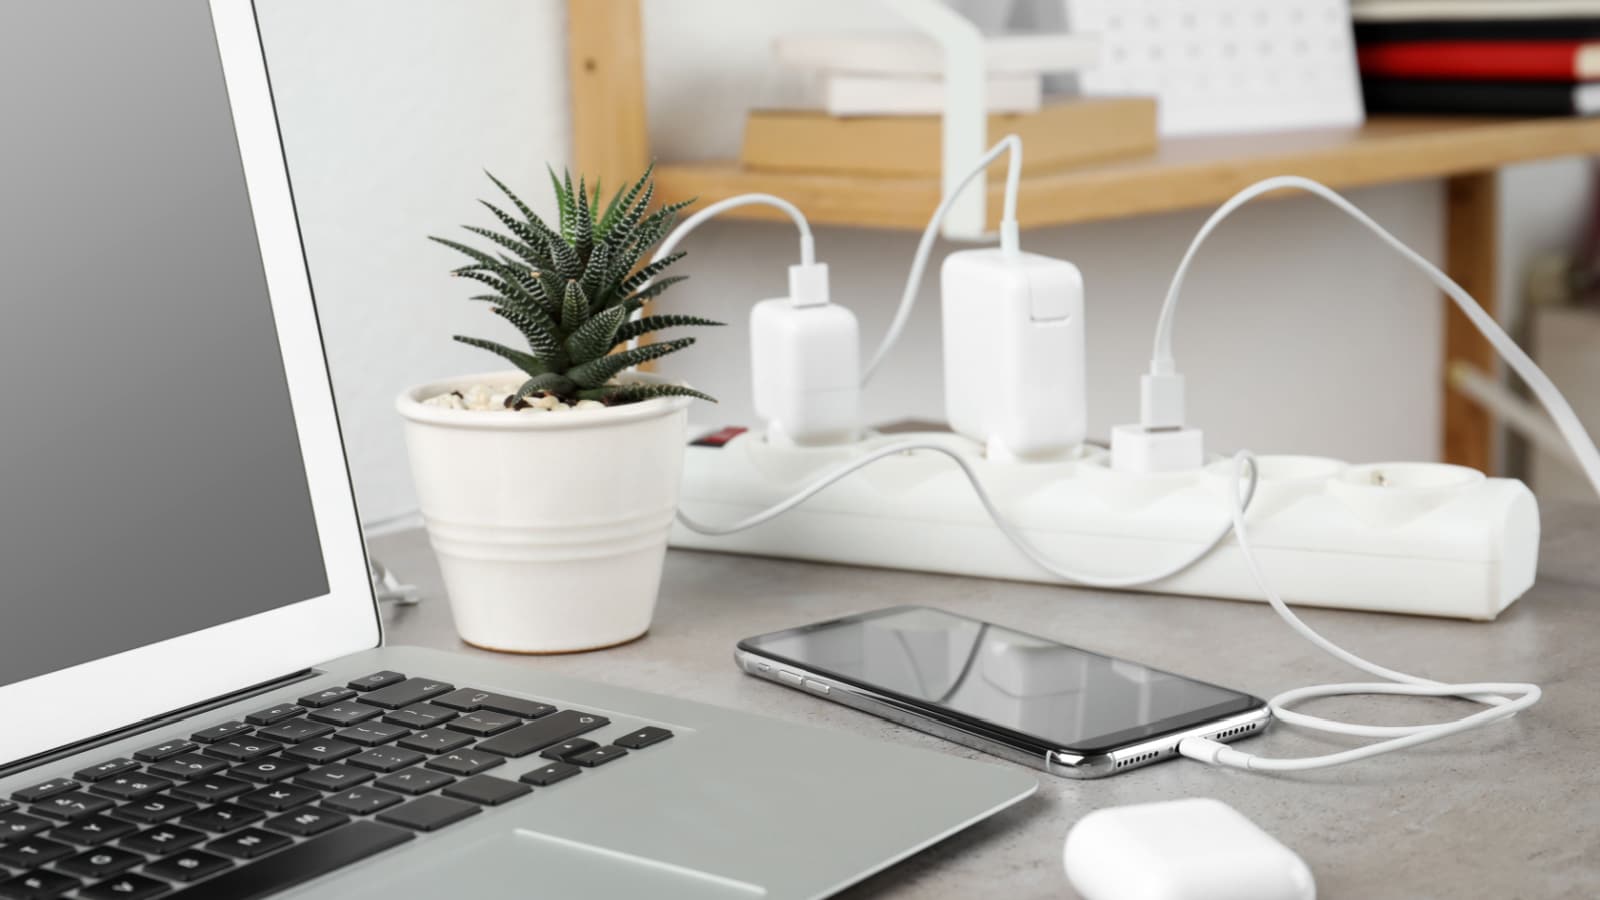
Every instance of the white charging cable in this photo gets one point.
(1010, 243)
(1398, 737)
(1163, 397)
(808, 245)
(1011, 531)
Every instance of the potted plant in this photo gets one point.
(548, 490)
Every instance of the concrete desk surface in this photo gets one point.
(1512, 811)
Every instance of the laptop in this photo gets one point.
(195, 699)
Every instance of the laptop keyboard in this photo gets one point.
(298, 789)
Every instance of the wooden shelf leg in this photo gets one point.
(1472, 210)
(605, 63)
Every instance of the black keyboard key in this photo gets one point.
(223, 818)
(189, 766)
(599, 756)
(420, 715)
(362, 801)
(465, 762)
(372, 734)
(414, 781)
(37, 886)
(484, 724)
(387, 759)
(486, 790)
(301, 863)
(336, 777)
(280, 797)
(472, 700)
(436, 741)
(561, 751)
(375, 680)
(324, 698)
(321, 751)
(93, 830)
(188, 866)
(404, 693)
(101, 862)
(132, 786)
(293, 731)
(7, 806)
(105, 770)
(124, 887)
(267, 771)
(643, 738)
(16, 825)
(306, 822)
(551, 774)
(541, 733)
(248, 844)
(163, 750)
(47, 789)
(428, 813)
(72, 805)
(212, 789)
(154, 809)
(220, 732)
(347, 713)
(31, 852)
(272, 715)
(163, 839)
(243, 749)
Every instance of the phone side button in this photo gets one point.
(790, 677)
(817, 686)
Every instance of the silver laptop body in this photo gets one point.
(179, 550)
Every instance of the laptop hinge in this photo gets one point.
(160, 721)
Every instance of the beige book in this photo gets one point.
(1062, 134)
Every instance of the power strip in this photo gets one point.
(1419, 538)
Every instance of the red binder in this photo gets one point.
(1484, 60)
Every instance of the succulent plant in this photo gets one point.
(572, 291)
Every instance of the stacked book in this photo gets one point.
(1511, 57)
(876, 101)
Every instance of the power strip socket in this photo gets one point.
(1420, 538)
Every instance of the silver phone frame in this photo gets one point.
(1037, 754)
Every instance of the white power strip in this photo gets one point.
(1419, 538)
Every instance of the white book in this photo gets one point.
(1446, 10)
(879, 95)
(909, 53)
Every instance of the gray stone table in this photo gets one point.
(1512, 811)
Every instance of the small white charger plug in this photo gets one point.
(805, 354)
(1160, 442)
(805, 362)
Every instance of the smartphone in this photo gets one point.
(1022, 697)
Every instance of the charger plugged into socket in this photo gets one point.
(1014, 369)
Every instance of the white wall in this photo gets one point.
(391, 110)
(1298, 333)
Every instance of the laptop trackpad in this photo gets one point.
(513, 864)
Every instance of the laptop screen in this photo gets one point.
(151, 477)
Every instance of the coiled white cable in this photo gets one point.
(1011, 531)
(1494, 695)
(1398, 737)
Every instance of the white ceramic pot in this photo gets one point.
(550, 528)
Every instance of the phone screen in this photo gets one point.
(1064, 696)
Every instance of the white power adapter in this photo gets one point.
(805, 359)
(1014, 370)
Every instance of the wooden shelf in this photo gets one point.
(1183, 174)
